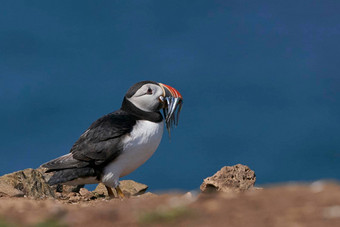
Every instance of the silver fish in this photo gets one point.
(171, 112)
(172, 104)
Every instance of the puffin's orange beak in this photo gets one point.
(170, 91)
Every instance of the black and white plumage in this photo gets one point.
(118, 143)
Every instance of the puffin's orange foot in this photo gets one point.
(110, 192)
(120, 192)
(112, 195)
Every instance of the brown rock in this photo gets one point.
(84, 192)
(132, 187)
(129, 187)
(87, 195)
(29, 181)
(46, 176)
(8, 190)
(74, 197)
(101, 190)
(237, 178)
(70, 188)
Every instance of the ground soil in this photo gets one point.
(316, 204)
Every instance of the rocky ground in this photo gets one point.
(226, 199)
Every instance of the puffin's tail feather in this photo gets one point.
(66, 175)
(64, 162)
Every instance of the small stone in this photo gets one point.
(190, 196)
(72, 188)
(84, 192)
(129, 187)
(132, 187)
(72, 194)
(101, 190)
(58, 195)
(317, 186)
(237, 178)
(73, 197)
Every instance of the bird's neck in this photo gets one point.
(140, 114)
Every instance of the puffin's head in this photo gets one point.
(151, 96)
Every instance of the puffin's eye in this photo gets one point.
(149, 91)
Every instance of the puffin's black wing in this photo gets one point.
(98, 145)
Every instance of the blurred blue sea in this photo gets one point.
(260, 81)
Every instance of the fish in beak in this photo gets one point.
(172, 102)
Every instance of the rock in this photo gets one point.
(8, 190)
(70, 188)
(132, 187)
(87, 195)
(101, 190)
(84, 192)
(29, 181)
(129, 187)
(237, 178)
(74, 197)
(46, 176)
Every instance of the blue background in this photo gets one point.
(260, 81)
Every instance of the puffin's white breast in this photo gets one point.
(138, 147)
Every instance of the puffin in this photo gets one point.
(119, 142)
